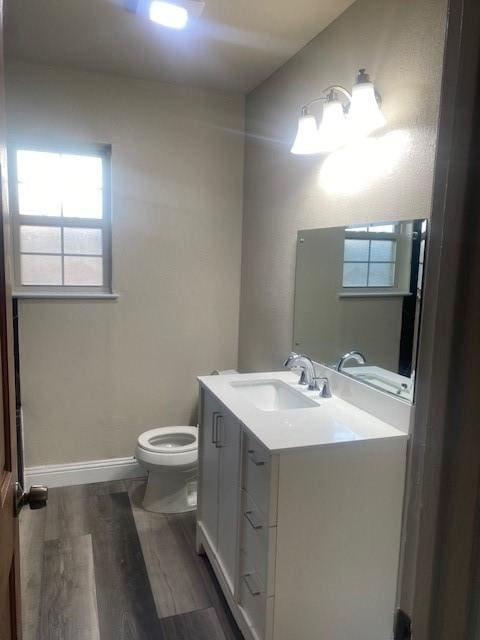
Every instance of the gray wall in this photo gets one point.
(388, 177)
(96, 374)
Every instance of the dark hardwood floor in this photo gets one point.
(96, 566)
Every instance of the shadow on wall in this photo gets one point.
(194, 417)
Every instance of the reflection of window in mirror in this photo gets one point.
(374, 261)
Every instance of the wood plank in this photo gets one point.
(67, 513)
(32, 532)
(175, 580)
(68, 508)
(68, 605)
(126, 608)
(183, 526)
(197, 625)
(104, 488)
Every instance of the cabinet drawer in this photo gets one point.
(260, 471)
(258, 543)
(258, 608)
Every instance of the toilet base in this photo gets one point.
(171, 492)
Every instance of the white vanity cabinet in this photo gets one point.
(219, 444)
(313, 534)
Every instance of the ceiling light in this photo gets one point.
(364, 116)
(168, 14)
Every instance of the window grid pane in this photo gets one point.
(357, 250)
(82, 241)
(381, 274)
(41, 270)
(355, 274)
(382, 250)
(36, 239)
(82, 271)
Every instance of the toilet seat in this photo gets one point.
(169, 440)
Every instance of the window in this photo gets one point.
(370, 255)
(61, 216)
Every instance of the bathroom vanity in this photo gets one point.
(300, 506)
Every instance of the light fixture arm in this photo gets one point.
(325, 98)
(339, 89)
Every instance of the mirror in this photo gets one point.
(359, 289)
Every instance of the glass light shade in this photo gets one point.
(332, 132)
(168, 14)
(365, 115)
(307, 133)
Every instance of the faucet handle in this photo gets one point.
(323, 385)
(303, 376)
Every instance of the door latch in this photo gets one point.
(36, 498)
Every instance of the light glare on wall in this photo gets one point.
(356, 167)
(358, 115)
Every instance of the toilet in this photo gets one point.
(169, 454)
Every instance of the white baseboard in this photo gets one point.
(65, 475)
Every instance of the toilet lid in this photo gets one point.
(169, 439)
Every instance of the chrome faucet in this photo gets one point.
(305, 363)
(351, 355)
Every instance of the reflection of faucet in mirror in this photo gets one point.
(304, 363)
(351, 355)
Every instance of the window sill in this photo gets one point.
(32, 295)
(373, 294)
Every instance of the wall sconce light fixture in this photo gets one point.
(345, 116)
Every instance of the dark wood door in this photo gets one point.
(9, 558)
(440, 576)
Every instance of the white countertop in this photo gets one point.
(333, 422)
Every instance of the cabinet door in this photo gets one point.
(228, 496)
(209, 471)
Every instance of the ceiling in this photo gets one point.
(234, 46)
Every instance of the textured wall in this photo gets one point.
(388, 177)
(96, 374)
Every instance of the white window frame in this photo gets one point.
(102, 151)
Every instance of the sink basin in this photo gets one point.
(273, 395)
